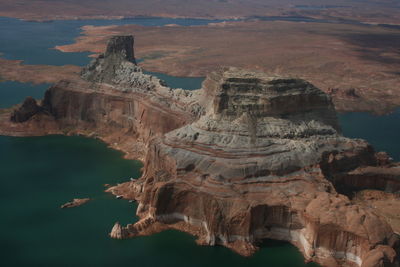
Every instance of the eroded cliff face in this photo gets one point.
(248, 157)
(114, 101)
(256, 165)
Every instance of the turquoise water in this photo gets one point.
(41, 173)
(38, 174)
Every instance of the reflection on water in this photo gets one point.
(188, 83)
(33, 42)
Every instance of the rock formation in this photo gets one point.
(248, 157)
(76, 202)
(26, 110)
(117, 66)
(258, 165)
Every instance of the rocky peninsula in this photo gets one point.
(15, 70)
(250, 156)
(356, 64)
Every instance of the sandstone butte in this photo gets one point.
(247, 157)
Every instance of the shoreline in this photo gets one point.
(340, 70)
(195, 58)
(107, 140)
(181, 186)
(135, 121)
(285, 10)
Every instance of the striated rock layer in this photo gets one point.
(247, 157)
(114, 101)
(259, 164)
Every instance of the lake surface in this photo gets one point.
(38, 174)
(41, 173)
(188, 83)
(33, 42)
(383, 132)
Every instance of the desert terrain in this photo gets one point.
(372, 11)
(358, 65)
(15, 70)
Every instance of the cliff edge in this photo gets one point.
(261, 163)
(249, 156)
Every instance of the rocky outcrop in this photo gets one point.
(248, 157)
(117, 66)
(118, 232)
(105, 110)
(26, 110)
(76, 202)
(385, 179)
(125, 108)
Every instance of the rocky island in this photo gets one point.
(76, 202)
(248, 157)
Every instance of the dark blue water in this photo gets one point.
(310, 19)
(33, 41)
(38, 174)
(191, 83)
(383, 132)
(12, 93)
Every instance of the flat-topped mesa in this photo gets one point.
(117, 67)
(260, 164)
(257, 95)
(256, 125)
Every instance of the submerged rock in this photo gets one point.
(76, 202)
